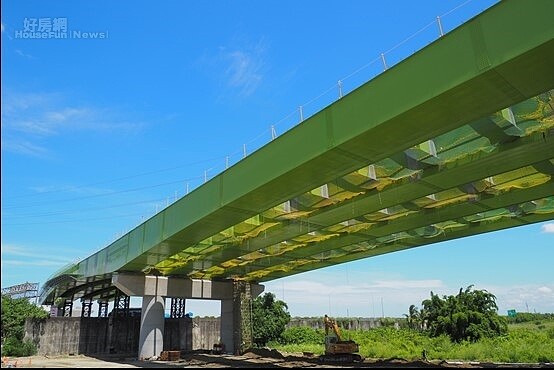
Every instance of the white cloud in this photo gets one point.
(24, 147)
(523, 298)
(548, 228)
(4, 29)
(32, 253)
(359, 288)
(34, 117)
(38, 127)
(29, 118)
(23, 54)
(32, 263)
(238, 67)
(409, 284)
(374, 293)
(81, 190)
(67, 114)
(15, 103)
(244, 71)
(363, 296)
(14, 255)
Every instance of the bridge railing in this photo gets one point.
(435, 28)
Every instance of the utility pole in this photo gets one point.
(373, 305)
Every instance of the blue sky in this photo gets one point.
(99, 133)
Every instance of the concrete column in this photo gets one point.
(153, 290)
(151, 339)
(236, 319)
(227, 325)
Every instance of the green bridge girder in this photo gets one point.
(456, 140)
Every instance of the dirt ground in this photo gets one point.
(254, 359)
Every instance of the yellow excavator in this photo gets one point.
(336, 349)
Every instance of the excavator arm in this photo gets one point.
(331, 324)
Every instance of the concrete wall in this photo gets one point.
(178, 334)
(54, 335)
(76, 335)
(101, 335)
(356, 323)
(205, 332)
(93, 335)
(122, 334)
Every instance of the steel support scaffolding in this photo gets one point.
(86, 310)
(177, 307)
(121, 304)
(67, 307)
(102, 308)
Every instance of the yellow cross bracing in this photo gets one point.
(452, 149)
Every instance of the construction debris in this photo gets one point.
(170, 356)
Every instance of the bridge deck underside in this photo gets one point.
(494, 172)
(418, 155)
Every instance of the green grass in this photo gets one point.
(537, 325)
(525, 342)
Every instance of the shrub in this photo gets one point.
(301, 335)
(470, 315)
(269, 317)
(17, 348)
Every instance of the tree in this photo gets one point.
(413, 318)
(269, 318)
(14, 314)
(470, 315)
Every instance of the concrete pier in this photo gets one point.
(235, 307)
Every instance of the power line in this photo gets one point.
(48, 192)
(68, 211)
(99, 195)
(75, 220)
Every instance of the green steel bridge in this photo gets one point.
(456, 140)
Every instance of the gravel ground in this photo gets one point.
(254, 359)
